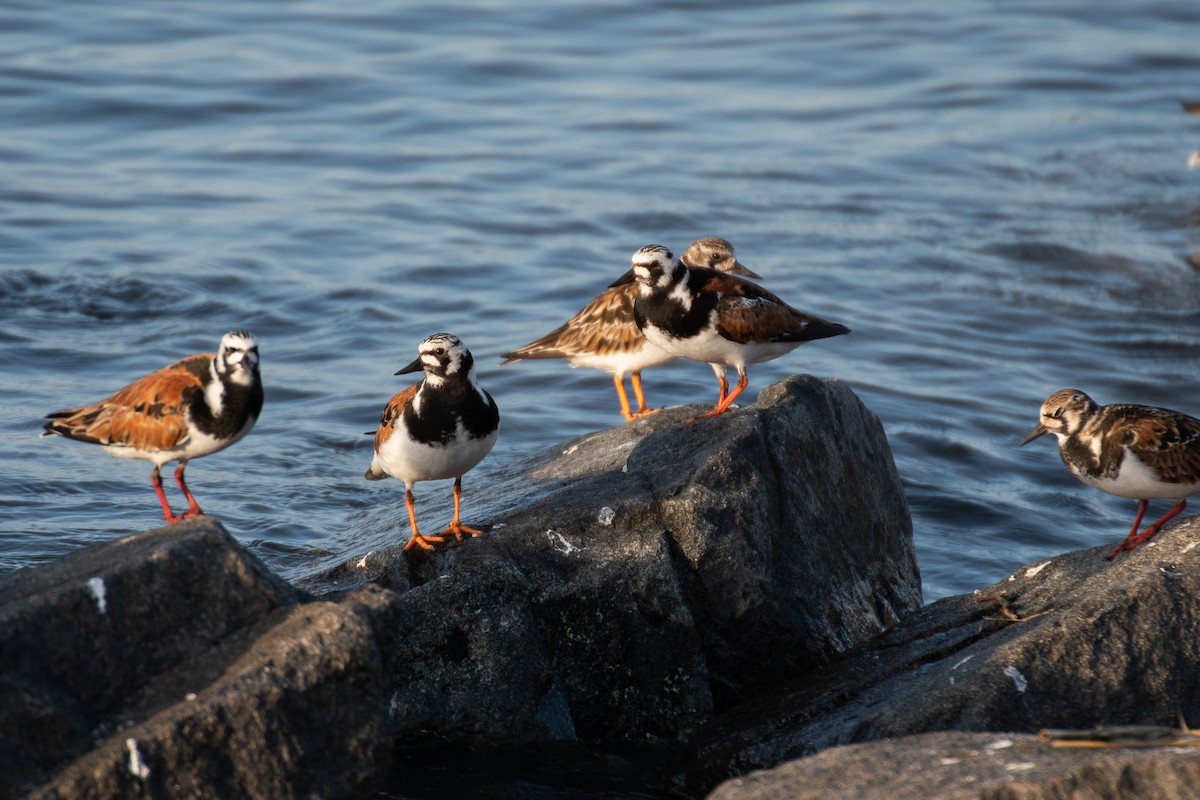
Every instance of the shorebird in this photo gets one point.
(196, 406)
(1139, 452)
(706, 315)
(440, 428)
(603, 334)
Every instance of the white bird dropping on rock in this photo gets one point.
(96, 587)
(137, 767)
(1017, 678)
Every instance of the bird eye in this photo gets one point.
(1055, 414)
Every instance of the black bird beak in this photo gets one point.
(1040, 430)
(415, 366)
(624, 279)
(739, 268)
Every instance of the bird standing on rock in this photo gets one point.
(440, 428)
(196, 406)
(706, 315)
(1139, 452)
(604, 335)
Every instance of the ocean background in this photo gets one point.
(994, 196)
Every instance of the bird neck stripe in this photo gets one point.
(681, 295)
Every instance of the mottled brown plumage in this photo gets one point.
(147, 414)
(1134, 451)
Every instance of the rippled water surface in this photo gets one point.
(994, 196)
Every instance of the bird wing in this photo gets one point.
(148, 414)
(393, 409)
(1166, 441)
(603, 327)
(749, 313)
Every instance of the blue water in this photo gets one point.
(993, 195)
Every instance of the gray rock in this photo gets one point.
(1072, 641)
(172, 663)
(975, 766)
(644, 578)
(653, 572)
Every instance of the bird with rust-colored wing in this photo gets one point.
(711, 316)
(1140, 452)
(440, 428)
(194, 407)
(603, 334)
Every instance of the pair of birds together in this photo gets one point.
(662, 308)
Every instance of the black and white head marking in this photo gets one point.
(441, 357)
(237, 357)
(235, 363)
(653, 267)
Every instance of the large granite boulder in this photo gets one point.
(651, 573)
(173, 664)
(1071, 641)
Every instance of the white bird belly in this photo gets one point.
(411, 461)
(1138, 482)
(710, 346)
(648, 355)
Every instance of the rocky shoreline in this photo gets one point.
(728, 609)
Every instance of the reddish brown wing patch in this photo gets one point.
(712, 280)
(147, 414)
(393, 409)
(755, 320)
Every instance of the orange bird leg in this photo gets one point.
(619, 382)
(636, 379)
(1134, 538)
(156, 481)
(726, 399)
(723, 390)
(456, 528)
(193, 506)
(424, 542)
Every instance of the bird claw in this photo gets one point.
(457, 531)
(424, 542)
(1132, 542)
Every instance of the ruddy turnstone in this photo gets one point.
(705, 315)
(196, 406)
(1133, 451)
(603, 334)
(439, 428)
